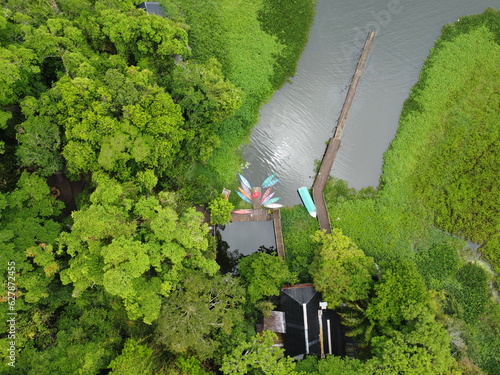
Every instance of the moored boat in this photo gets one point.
(307, 200)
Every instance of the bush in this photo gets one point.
(473, 294)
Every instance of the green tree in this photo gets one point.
(258, 356)
(28, 228)
(39, 145)
(135, 359)
(473, 293)
(264, 275)
(85, 335)
(220, 211)
(206, 98)
(200, 310)
(340, 270)
(400, 296)
(423, 348)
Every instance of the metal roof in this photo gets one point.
(275, 322)
(152, 7)
(301, 305)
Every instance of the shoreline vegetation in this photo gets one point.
(439, 176)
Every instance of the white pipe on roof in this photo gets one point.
(329, 336)
(306, 327)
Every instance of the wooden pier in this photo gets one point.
(280, 247)
(334, 144)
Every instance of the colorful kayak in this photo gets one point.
(246, 189)
(244, 193)
(274, 200)
(264, 202)
(307, 200)
(273, 205)
(244, 181)
(266, 194)
(242, 212)
(243, 197)
(268, 180)
(271, 183)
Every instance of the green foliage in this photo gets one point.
(449, 133)
(135, 359)
(18, 71)
(401, 296)
(220, 211)
(264, 275)
(333, 365)
(200, 310)
(258, 356)
(134, 246)
(298, 228)
(491, 250)
(473, 293)
(287, 20)
(425, 349)
(39, 145)
(341, 271)
(27, 230)
(484, 339)
(380, 225)
(206, 99)
(190, 366)
(86, 330)
(438, 263)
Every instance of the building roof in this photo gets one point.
(303, 319)
(275, 322)
(152, 7)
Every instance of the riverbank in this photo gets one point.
(258, 44)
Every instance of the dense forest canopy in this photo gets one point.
(146, 114)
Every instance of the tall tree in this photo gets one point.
(264, 275)
(340, 270)
(258, 356)
(199, 312)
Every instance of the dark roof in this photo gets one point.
(300, 304)
(152, 7)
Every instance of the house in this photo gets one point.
(310, 327)
(152, 7)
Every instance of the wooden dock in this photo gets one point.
(334, 144)
(278, 234)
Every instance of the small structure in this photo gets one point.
(276, 323)
(226, 193)
(152, 7)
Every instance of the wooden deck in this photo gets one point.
(265, 215)
(256, 215)
(334, 144)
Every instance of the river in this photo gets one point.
(301, 116)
